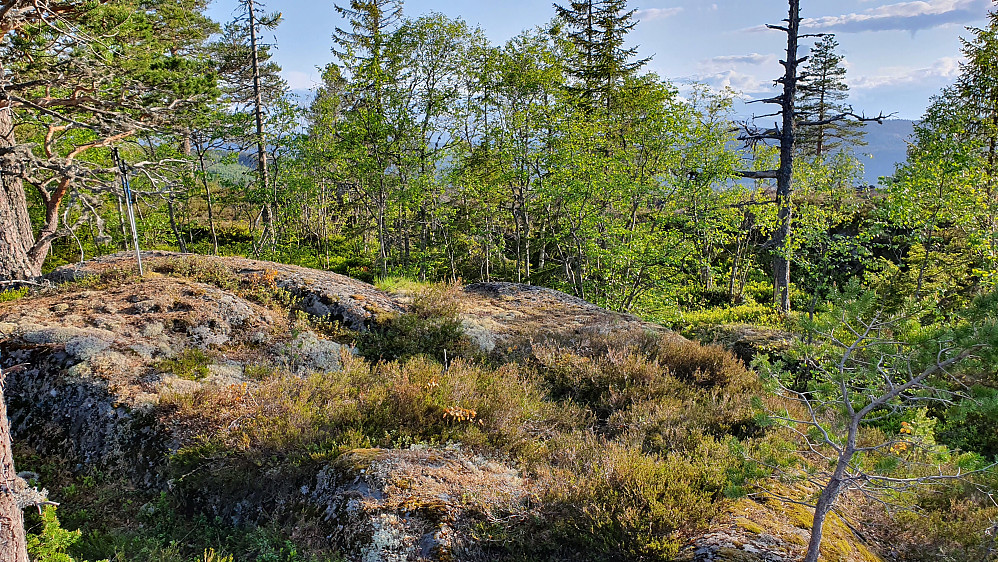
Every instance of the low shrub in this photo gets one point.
(14, 294)
(49, 544)
(961, 530)
(635, 485)
(749, 312)
(970, 424)
(605, 501)
(429, 326)
(654, 391)
(395, 404)
(706, 366)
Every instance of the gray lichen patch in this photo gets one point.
(85, 347)
(309, 353)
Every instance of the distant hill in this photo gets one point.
(887, 145)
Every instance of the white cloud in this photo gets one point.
(650, 14)
(907, 16)
(941, 71)
(737, 81)
(755, 59)
(741, 73)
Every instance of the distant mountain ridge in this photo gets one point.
(887, 145)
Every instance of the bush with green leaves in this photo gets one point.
(51, 541)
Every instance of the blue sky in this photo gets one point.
(898, 54)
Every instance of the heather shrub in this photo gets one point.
(656, 392)
(607, 501)
(398, 403)
(429, 326)
(704, 365)
(959, 528)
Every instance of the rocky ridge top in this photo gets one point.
(96, 363)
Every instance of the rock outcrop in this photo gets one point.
(100, 355)
(336, 297)
(505, 318)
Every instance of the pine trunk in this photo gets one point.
(13, 545)
(261, 143)
(16, 237)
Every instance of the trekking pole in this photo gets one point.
(128, 201)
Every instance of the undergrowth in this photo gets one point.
(430, 326)
(625, 465)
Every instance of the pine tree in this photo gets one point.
(821, 94)
(252, 86)
(79, 77)
(602, 63)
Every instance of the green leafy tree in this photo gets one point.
(978, 92)
(368, 136)
(507, 134)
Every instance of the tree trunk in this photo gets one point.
(207, 196)
(831, 493)
(173, 225)
(16, 237)
(781, 261)
(784, 177)
(261, 144)
(13, 546)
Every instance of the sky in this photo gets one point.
(897, 54)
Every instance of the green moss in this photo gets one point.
(190, 364)
(749, 526)
(799, 516)
(259, 372)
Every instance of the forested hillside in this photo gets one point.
(762, 343)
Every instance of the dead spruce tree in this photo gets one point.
(785, 134)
